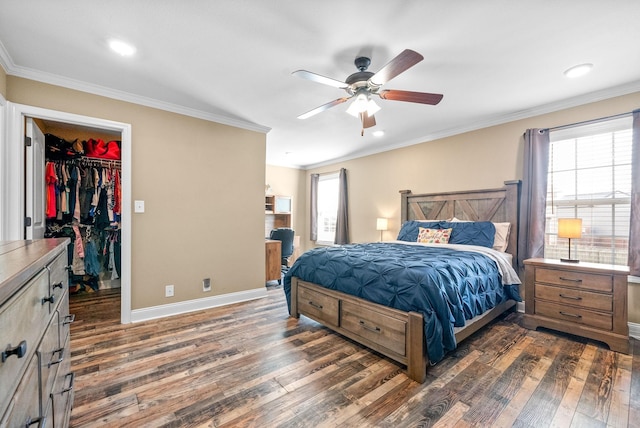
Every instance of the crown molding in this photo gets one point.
(54, 79)
(591, 97)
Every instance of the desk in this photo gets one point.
(272, 260)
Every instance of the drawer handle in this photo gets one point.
(19, 351)
(570, 297)
(57, 285)
(72, 376)
(39, 420)
(49, 299)
(570, 279)
(69, 319)
(567, 314)
(315, 305)
(367, 327)
(59, 360)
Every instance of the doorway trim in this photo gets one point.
(12, 172)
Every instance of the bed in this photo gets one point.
(414, 301)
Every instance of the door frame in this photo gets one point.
(12, 165)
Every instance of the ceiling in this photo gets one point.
(231, 61)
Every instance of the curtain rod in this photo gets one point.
(584, 122)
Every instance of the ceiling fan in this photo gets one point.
(362, 84)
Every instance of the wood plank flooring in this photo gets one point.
(250, 365)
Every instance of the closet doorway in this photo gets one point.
(21, 201)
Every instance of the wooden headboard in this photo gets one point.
(497, 205)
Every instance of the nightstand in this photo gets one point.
(584, 299)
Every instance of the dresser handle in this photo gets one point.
(366, 327)
(57, 285)
(71, 375)
(39, 420)
(19, 351)
(570, 315)
(570, 279)
(570, 297)
(315, 305)
(69, 319)
(59, 360)
(49, 299)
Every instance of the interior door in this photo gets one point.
(35, 190)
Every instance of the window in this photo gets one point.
(589, 177)
(328, 194)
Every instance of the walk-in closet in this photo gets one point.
(83, 201)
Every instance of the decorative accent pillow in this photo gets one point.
(434, 236)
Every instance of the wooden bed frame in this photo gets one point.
(397, 334)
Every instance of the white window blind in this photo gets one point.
(590, 178)
(328, 194)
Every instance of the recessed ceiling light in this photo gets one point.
(377, 133)
(578, 70)
(122, 48)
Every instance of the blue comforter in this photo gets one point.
(446, 286)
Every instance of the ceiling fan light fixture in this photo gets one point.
(362, 103)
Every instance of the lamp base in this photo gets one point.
(570, 260)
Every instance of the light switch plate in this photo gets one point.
(138, 206)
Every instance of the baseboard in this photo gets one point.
(178, 308)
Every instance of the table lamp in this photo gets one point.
(570, 228)
(381, 225)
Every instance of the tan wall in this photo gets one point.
(203, 187)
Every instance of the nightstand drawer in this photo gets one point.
(575, 297)
(575, 279)
(322, 307)
(600, 320)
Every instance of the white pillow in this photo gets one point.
(501, 238)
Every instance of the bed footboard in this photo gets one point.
(398, 335)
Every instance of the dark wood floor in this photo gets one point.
(251, 365)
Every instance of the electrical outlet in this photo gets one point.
(206, 284)
(168, 291)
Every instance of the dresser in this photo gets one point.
(584, 299)
(35, 366)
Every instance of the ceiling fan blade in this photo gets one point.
(405, 60)
(323, 107)
(304, 74)
(367, 121)
(409, 96)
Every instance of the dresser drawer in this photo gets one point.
(58, 279)
(599, 320)
(50, 355)
(575, 279)
(23, 407)
(387, 331)
(319, 306)
(575, 297)
(23, 319)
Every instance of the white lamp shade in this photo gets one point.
(381, 224)
(569, 228)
